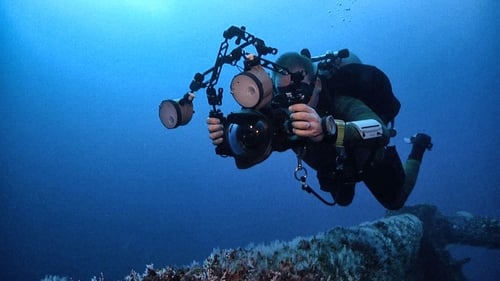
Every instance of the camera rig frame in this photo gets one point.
(232, 57)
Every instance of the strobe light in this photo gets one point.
(252, 89)
(174, 113)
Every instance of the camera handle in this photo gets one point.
(300, 174)
(221, 149)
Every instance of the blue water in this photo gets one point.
(92, 182)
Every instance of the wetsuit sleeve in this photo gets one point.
(351, 109)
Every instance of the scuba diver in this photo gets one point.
(346, 124)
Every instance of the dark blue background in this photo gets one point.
(92, 182)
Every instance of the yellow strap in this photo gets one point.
(340, 132)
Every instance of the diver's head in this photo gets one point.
(300, 83)
(294, 62)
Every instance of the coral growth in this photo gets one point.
(371, 251)
(54, 278)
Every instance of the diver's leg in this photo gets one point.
(421, 142)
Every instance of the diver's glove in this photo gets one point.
(421, 142)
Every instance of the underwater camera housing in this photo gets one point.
(251, 135)
(263, 125)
